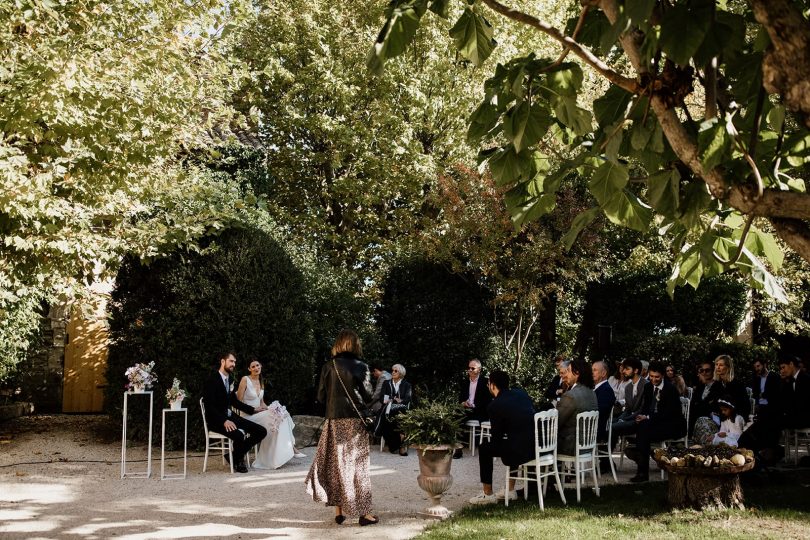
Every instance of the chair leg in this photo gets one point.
(796, 444)
(579, 478)
(382, 443)
(622, 445)
(540, 488)
(205, 459)
(230, 449)
(559, 484)
(472, 440)
(595, 479)
(612, 466)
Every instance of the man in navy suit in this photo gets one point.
(512, 434)
(764, 387)
(605, 398)
(218, 398)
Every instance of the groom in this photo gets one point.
(218, 398)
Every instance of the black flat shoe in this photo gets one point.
(457, 454)
(403, 452)
(364, 521)
(637, 479)
(340, 518)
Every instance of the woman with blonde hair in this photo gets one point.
(707, 427)
(339, 475)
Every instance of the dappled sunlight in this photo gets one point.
(208, 530)
(100, 525)
(37, 493)
(181, 506)
(40, 525)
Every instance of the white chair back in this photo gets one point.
(205, 423)
(587, 423)
(685, 404)
(545, 432)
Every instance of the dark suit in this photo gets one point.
(605, 398)
(772, 385)
(218, 402)
(739, 397)
(553, 386)
(578, 399)
(666, 421)
(512, 432)
(796, 403)
(481, 401)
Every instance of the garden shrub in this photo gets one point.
(244, 293)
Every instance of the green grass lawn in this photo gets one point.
(777, 506)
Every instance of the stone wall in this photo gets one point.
(41, 379)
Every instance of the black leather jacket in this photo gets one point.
(355, 375)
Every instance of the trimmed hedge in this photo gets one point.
(244, 294)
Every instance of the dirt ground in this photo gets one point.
(60, 477)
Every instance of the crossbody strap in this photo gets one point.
(337, 372)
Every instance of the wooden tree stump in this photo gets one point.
(706, 488)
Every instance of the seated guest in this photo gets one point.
(380, 376)
(637, 397)
(705, 395)
(795, 392)
(579, 398)
(218, 398)
(645, 370)
(706, 427)
(396, 398)
(664, 421)
(605, 398)
(474, 395)
(731, 423)
(676, 380)
(511, 435)
(556, 387)
(765, 385)
(617, 381)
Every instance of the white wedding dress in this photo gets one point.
(278, 447)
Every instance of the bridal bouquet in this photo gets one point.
(175, 393)
(278, 413)
(140, 376)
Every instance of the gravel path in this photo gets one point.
(78, 492)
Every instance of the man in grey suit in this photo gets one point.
(637, 399)
(380, 376)
(579, 398)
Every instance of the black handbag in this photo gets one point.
(368, 419)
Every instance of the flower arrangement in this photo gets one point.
(140, 376)
(175, 393)
(278, 413)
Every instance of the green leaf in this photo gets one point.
(565, 80)
(507, 166)
(714, 143)
(776, 117)
(683, 29)
(695, 201)
(395, 36)
(573, 116)
(582, 220)
(726, 34)
(663, 191)
(612, 105)
(639, 11)
(640, 135)
(625, 209)
(764, 244)
(440, 8)
(531, 209)
(482, 121)
(526, 124)
(472, 34)
(762, 279)
(608, 179)
(595, 26)
(614, 142)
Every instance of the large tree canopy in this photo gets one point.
(702, 130)
(100, 102)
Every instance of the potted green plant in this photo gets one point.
(433, 429)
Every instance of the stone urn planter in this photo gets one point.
(434, 475)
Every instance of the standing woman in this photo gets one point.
(339, 475)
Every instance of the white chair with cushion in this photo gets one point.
(215, 441)
(584, 457)
(545, 458)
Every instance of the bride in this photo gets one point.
(278, 447)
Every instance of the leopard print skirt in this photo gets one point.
(339, 474)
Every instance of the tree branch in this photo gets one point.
(586, 55)
(795, 233)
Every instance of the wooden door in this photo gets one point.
(85, 362)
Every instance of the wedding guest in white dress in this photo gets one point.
(279, 446)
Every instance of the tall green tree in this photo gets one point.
(100, 103)
(711, 169)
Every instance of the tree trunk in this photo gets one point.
(705, 492)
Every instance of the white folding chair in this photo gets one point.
(605, 449)
(472, 426)
(584, 457)
(545, 458)
(215, 441)
(689, 392)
